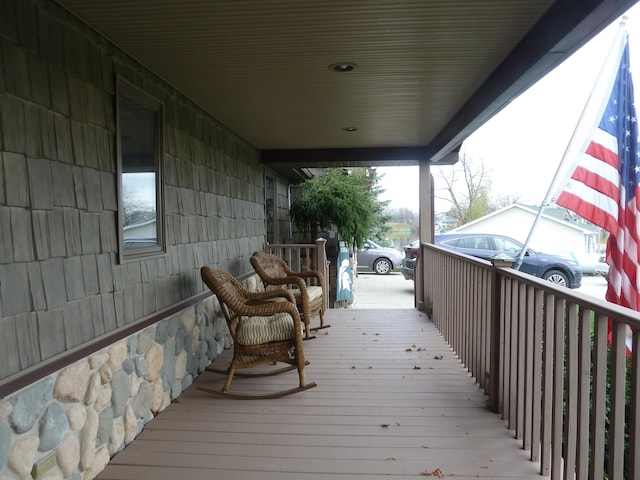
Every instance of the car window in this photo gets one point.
(470, 243)
(507, 245)
(452, 243)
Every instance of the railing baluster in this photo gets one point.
(506, 360)
(521, 371)
(547, 382)
(571, 388)
(536, 375)
(634, 414)
(584, 380)
(598, 395)
(503, 345)
(557, 414)
(513, 356)
(616, 404)
(528, 368)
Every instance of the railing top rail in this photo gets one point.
(479, 261)
(292, 245)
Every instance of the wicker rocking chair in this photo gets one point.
(310, 299)
(265, 328)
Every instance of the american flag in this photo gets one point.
(604, 188)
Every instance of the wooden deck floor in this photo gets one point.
(385, 407)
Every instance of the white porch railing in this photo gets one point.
(540, 352)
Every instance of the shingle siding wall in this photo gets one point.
(60, 281)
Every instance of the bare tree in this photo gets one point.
(502, 201)
(467, 187)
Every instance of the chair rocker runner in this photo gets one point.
(265, 328)
(275, 272)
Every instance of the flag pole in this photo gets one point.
(614, 52)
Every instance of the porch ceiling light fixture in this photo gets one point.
(342, 67)
(350, 129)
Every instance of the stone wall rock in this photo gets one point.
(68, 455)
(28, 405)
(23, 455)
(54, 424)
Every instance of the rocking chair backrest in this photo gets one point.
(267, 265)
(230, 293)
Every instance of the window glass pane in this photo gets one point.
(139, 209)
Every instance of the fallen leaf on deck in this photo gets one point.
(408, 350)
(391, 459)
(438, 357)
(424, 446)
(436, 473)
(417, 367)
(353, 367)
(370, 367)
(384, 425)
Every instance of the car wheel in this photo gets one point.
(557, 277)
(382, 266)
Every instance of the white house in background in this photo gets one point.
(557, 230)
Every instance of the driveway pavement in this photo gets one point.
(393, 291)
(383, 291)
(594, 285)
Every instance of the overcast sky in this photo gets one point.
(523, 145)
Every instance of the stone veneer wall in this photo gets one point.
(69, 424)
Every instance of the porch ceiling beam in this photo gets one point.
(352, 157)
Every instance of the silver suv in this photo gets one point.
(379, 259)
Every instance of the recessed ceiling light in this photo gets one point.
(342, 66)
(349, 129)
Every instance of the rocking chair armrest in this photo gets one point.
(252, 308)
(271, 295)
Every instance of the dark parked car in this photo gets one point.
(377, 258)
(409, 260)
(561, 270)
